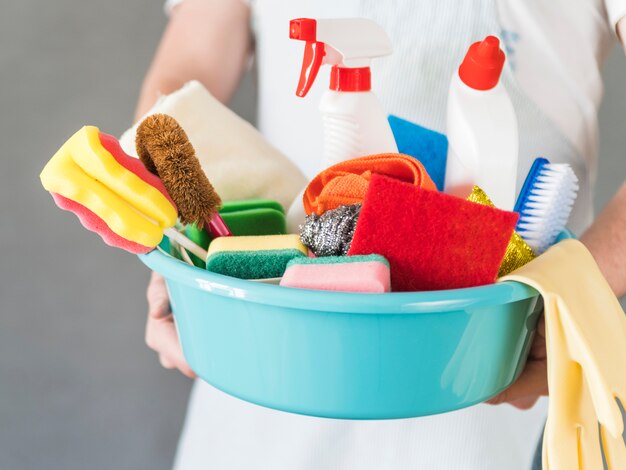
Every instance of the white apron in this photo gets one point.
(430, 38)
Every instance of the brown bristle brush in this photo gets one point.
(165, 150)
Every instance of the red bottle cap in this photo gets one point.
(483, 64)
(350, 79)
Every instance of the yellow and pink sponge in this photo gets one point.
(112, 194)
(368, 273)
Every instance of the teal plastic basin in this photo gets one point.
(348, 355)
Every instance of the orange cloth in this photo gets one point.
(347, 182)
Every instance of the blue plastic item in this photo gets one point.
(429, 147)
(346, 355)
(527, 187)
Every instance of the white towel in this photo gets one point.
(236, 158)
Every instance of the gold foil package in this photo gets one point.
(518, 253)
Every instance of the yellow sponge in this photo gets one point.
(92, 170)
(257, 243)
(254, 257)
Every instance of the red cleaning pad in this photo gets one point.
(432, 240)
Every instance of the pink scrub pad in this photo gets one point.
(92, 222)
(432, 240)
(339, 273)
(91, 176)
(112, 145)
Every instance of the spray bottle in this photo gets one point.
(482, 130)
(355, 123)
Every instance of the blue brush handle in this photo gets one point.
(529, 184)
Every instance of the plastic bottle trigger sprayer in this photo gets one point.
(355, 123)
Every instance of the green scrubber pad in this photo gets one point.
(243, 217)
(340, 260)
(252, 264)
(254, 257)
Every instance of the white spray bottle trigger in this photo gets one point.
(355, 122)
(342, 42)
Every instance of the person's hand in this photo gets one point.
(160, 330)
(606, 241)
(533, 382)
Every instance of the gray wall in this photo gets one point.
(78, 388)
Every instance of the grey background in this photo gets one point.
(78, 388)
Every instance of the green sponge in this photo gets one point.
(257, 221)
(252, 264)
(243, 217)
(247, 204)
(340, 260)
(201, 238)
(253, 257)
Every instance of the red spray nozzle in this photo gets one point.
(305, 29)
(482, 65)
(347, 44)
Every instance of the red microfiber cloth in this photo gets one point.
(432, 240)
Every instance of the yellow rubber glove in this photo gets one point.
(586, 348)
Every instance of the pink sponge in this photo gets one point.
(339, 273)
(92, 222)
(432, 240)
(112, 145)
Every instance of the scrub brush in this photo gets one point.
(545, 203)
(165, 150)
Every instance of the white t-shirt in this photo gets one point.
(556, 48)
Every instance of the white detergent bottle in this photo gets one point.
(355, 123)
(482, 130)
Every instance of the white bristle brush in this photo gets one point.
(545, 203)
